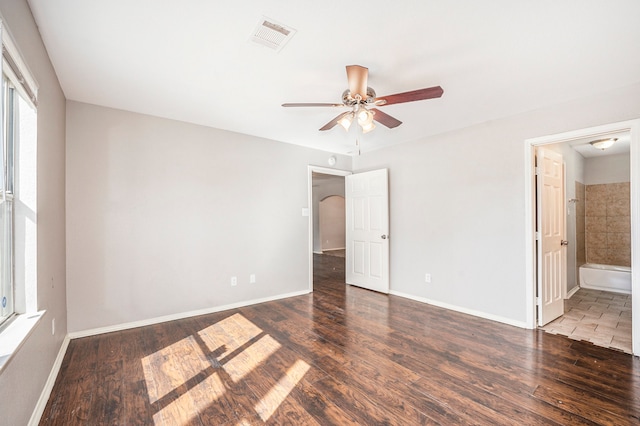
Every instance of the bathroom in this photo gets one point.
(598, 234)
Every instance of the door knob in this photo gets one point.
(384, 237)
(564, 243)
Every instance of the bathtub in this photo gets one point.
(606, 277)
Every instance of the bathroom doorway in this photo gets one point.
(598, 224)
(598, 229)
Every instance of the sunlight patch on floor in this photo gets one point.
(279, 392)
(186, 377)
(228, 335)
(188, 405)
(246, 361)
(171, 367)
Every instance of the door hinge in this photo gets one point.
(538, 301)
(537, 235)
(538, 170)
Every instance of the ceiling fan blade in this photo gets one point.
(385, 119)
(414, 95)
(332, 123)
(357, 77)
(311, 104)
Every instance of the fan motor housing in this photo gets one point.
(349, 100)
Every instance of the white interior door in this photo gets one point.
(551, 233)
(367, 230)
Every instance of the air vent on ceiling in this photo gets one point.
(272, 34)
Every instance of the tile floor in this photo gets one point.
(600, 317)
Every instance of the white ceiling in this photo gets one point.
(193, 60)
(621, 146)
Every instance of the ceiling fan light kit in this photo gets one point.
(364, 117)
(365, 120)
(358, 96)
(346, 121)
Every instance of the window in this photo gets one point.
(17, 185)
(7, 292)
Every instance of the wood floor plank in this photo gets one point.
(383, 391)
(73, 402)
(137, 408)
(357, 404)
(341, 355)
(107, 405)
(612, 386)
(296, 332)
(237, 402)
(273, 405)
(598, 409)
(279, 366)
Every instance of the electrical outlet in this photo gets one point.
(234, 281)
(427, 278)
(252, 278)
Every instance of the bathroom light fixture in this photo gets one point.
(603, 143)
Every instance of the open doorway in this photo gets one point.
(594, 211)
(327, 220)
(366, 226)
(594, 178)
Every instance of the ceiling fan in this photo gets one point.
(360, 99)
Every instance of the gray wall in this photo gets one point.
(607, 169)
(333, 223)
(161, 214)
(457, 205)
(23, 379)
(323, 187)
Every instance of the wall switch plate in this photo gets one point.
(427, 278)
(234, 281)
(252, 278)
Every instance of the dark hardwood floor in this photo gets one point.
(341, 355)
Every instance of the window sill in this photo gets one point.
(15, 334)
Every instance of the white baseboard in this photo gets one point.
(606, 288)
(508, 321)
(48, 386)
(572, 292)
(157, 320)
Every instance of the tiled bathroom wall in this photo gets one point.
(579, 217)
(608, 224)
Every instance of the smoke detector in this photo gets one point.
(272, 34)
